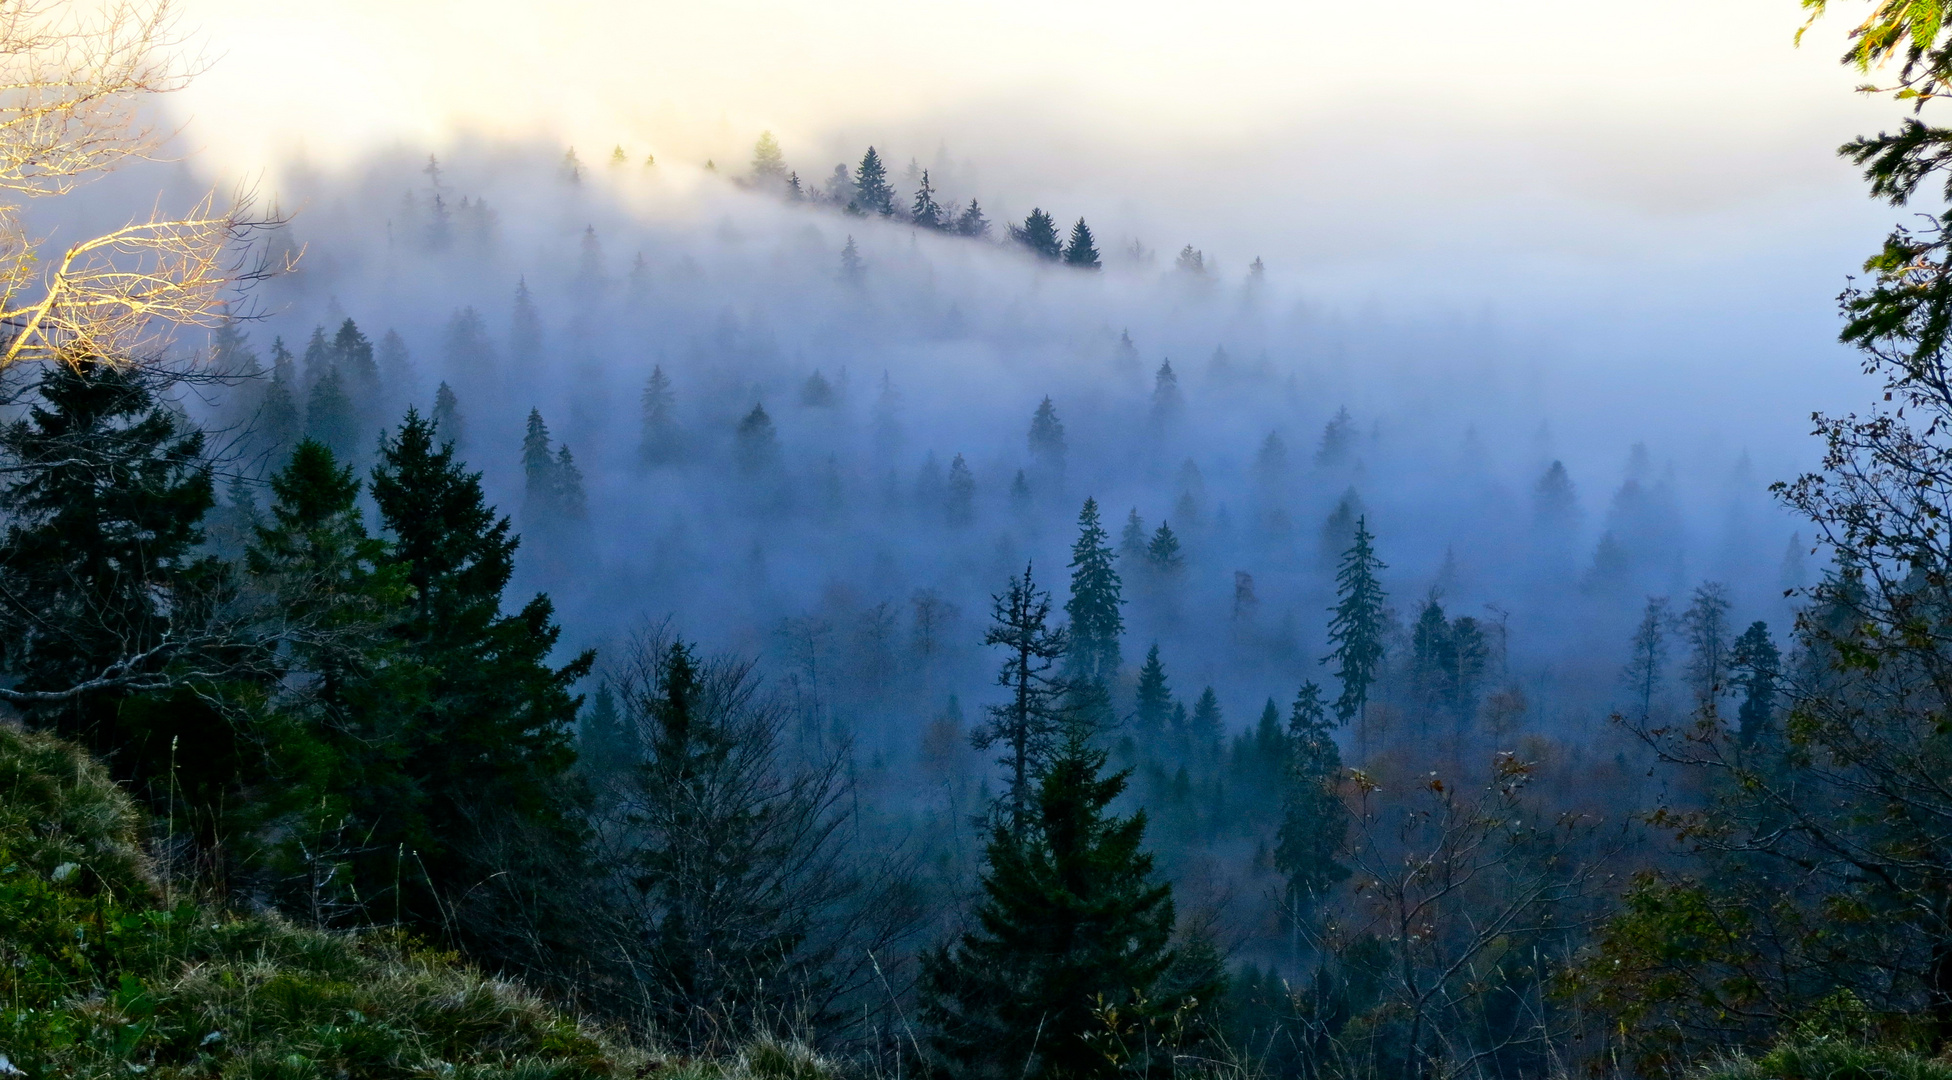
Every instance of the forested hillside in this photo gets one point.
(526, 616)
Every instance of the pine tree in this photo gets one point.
(568, 498)
(1356, 630)
(447, 417)
(852, 266)
(491, 824)
(1094, 605)
(756, 446)
(100, 572)
(1162, 552)
(538, 470)
(1167, 402)
(1132, 540)
(1154, 708)
(663, 440)
(961, 503)
(329, 415)
(872, 193)
(1758, 664)
(279, 425)
(972, 223)
(1071, 924)
(1081, 252)
(1206, 727)
(1314, 822)
(1647, 661)
(1028, 726)
(1039, 233)
(768, 164)
(925, 211)
(1047, 438)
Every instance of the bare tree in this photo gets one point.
(73, 85)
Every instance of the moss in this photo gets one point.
(61, 816)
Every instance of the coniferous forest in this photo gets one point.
(461, 616)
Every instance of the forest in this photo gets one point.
(519, 616)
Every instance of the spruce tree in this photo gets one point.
(1029, 724)
(756, 446)
(925, 211)
(318, 357)
(1132, 540)
(279, 424)
(1039, 233)
(961, 505)
(1081, 252)
(1095, 602)
(492, 826)
(972, 223)
(538, 470)
(1206, 727)
(329, 414)
(1162, 552)
(872, 192)
(1356, 629)
(447, 417)
(1047, 438)
(568, 498)
(852, 266)
(524, 328)
(1314, 823)
(1167, 401)
(1758, 665)
(768, 164)
(1154, 709)
(1070, 925)
(662, 441)
(359, 373)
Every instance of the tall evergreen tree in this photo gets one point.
(768, 164)
(1039, 233)
(1047, 446)
(1132, 539)
(102, 584)
(961, 504)
(1081, 252)
(447, 418)
(1356, 630)
(1155, 701)
(279, 425)
(1206, 727)
(1167, 401)
(359, 374)
(852, 266)
(756, 446)
(1758, 665)
(538, 469)
(925, 211)
(1028, 725)
(1162, 552)
(524, 328)
(492, 826)
(568, 497)
(1095, 602)
(872, 192)
(329, 414)
(1071, 924)
(1314, 822)
(972, 223)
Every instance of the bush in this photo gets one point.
(1830, 1059)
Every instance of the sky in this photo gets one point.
(1647, 192)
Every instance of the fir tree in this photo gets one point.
(1357, 628)
(605, 747)
(279, 425)
(961, 503)
(663, 440)
(768, 164)
(925, 211)
(1206, 727)
(447, 417)
(395, 365)
(1314, 822)
(1162, 552)
(972, 223)
(490, 821)
(568, 498)
(329, 415)
(756, 445)
(1154, 709)
(1071, 924)
(1039, 233)
(352, 357)
(524, 328)
(1167, 402)
(852, 266)
(318, 357)
(1081, 252)
(1047, 438)
(1338, 440)
(538, 470)
(1758, 664)
(102, 584)
(1132, 540)
(1095, 602)
(1029, 724)
(872, 192)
